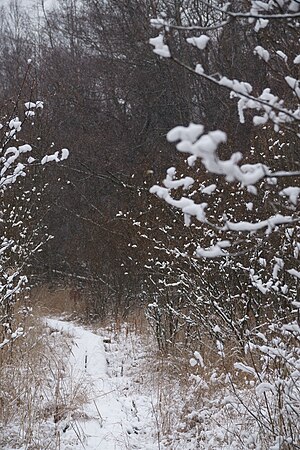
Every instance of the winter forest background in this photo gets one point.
(150, 168)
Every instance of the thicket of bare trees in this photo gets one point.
(112, 101)
(244, 298)
(228, 281)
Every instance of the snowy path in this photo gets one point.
(112, 419)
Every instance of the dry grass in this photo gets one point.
(57, 301)
(212, 407)
(36, 391)
(73, 303)
(187, 401)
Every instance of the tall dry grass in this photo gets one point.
(37, 392)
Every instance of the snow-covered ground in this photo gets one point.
(109, 389)
(117, 415)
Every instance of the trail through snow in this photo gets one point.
(115, 417)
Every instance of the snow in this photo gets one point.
(295, 273)
(293, 84)
(282, 55)
(199, 69)
(236, 85)
(247, 369)
(188, 206)
(160, 48)
(262, 53)
(214, 251)
(264, 387)
(189, 133)
(170, 183)
(294, 6)
(209, 189)
(56, 157)
(133, 406)
(204, 146)
(270, 223)
(199, 358)
(49, 158)
(64, 154)
(292, 192)
(199, 42)
(15, 124)
(114, 418)
(261, 23)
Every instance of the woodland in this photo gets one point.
(162, 179)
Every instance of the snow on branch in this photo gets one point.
(16, 243)
(270, 107)
(203, 147)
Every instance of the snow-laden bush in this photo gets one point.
(250, 242)
(22, 232)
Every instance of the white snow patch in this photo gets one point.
(114, 418)
(199, 42)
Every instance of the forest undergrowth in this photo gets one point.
(37, 391)
(197, 398)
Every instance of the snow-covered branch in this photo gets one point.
(21, 235)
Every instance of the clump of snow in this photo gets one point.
(262, 53)
(160, 48)
(209, 189)
(57, 156)
(199, 69)
(292, 192)
(199, 42)
(282, 55)
(213, 251)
